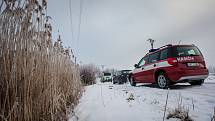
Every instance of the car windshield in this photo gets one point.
(126, 72)
(107, 74)
(187, 51)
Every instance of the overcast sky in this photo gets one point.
(114, 32)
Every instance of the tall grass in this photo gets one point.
(38, 80)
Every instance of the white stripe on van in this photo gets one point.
(151, 66)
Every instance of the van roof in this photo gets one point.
(166, 46)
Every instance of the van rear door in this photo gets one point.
(189, 57)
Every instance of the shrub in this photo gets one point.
(88, 74)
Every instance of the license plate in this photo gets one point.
(192, 64)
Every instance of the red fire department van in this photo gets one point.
(171, 64)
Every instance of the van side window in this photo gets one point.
(154, 57)
(143, 61)
(164, 54)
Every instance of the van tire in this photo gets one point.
(199, 82)
(132, 82)
(162, 80)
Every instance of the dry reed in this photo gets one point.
(213, 117)
(180, 112)
(38, 80)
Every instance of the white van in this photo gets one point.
(107, 77)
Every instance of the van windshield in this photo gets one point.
(107, 74)
(187, 51)
(126, 71)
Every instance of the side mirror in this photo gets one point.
(136, 66)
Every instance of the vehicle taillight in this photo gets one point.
(172, 61)
(204, 65)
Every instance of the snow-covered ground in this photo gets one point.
(108, 102)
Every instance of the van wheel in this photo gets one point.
(199, 82)
(132, 82)
(162, 81)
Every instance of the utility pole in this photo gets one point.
(151, 42)
(102, 66)
(81, 62)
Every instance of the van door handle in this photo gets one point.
(142, 68)
(154, 65)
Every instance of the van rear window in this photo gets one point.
(186, 51)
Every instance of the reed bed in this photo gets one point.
(38, 79)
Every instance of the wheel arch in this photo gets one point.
(129, 77)
(157, 72)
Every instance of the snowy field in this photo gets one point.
(108, 102)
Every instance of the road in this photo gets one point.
(145, 102)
